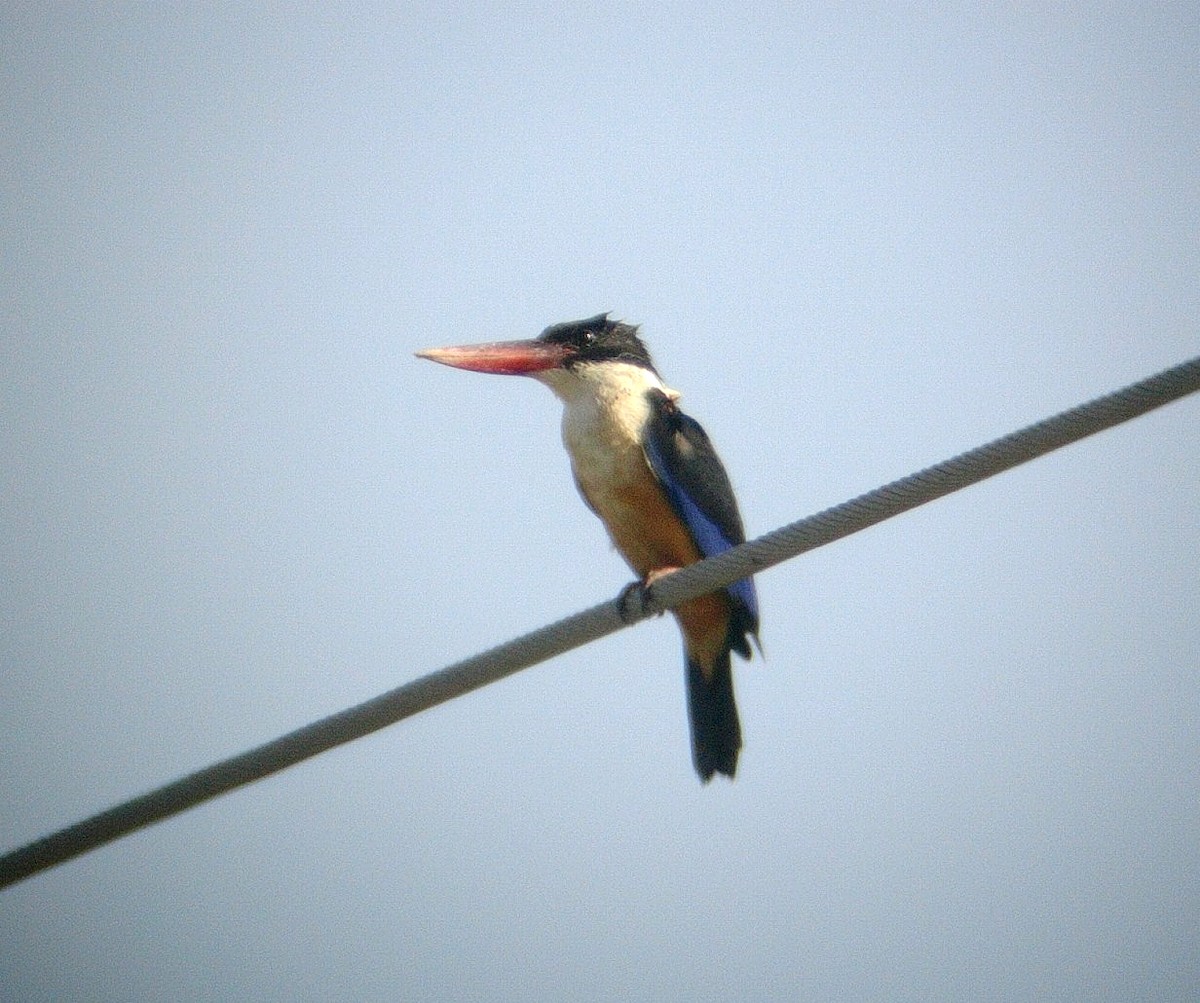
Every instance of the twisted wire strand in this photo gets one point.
(634, 604)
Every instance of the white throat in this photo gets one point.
(604, 412)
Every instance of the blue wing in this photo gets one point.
(699, 491)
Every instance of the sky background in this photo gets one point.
(859, 238)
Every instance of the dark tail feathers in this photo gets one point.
(716, 732)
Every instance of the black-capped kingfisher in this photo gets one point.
(651, 475)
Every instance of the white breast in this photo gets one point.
(605, 410)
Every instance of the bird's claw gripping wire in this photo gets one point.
(633, 604)
(636, 601)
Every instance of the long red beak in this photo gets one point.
(508, 358)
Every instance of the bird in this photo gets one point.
(650, 473)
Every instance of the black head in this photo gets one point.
(598, 339)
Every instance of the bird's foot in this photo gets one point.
(631, 603)
(656, 574)
(634, 600)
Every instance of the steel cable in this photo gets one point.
(634, 603)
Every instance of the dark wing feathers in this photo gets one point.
(699, 491)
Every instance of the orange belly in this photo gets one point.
(651, 537)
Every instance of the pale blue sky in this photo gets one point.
(859, 239)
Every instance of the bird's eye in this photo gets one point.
(589, 337)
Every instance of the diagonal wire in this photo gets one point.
(632, 605)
